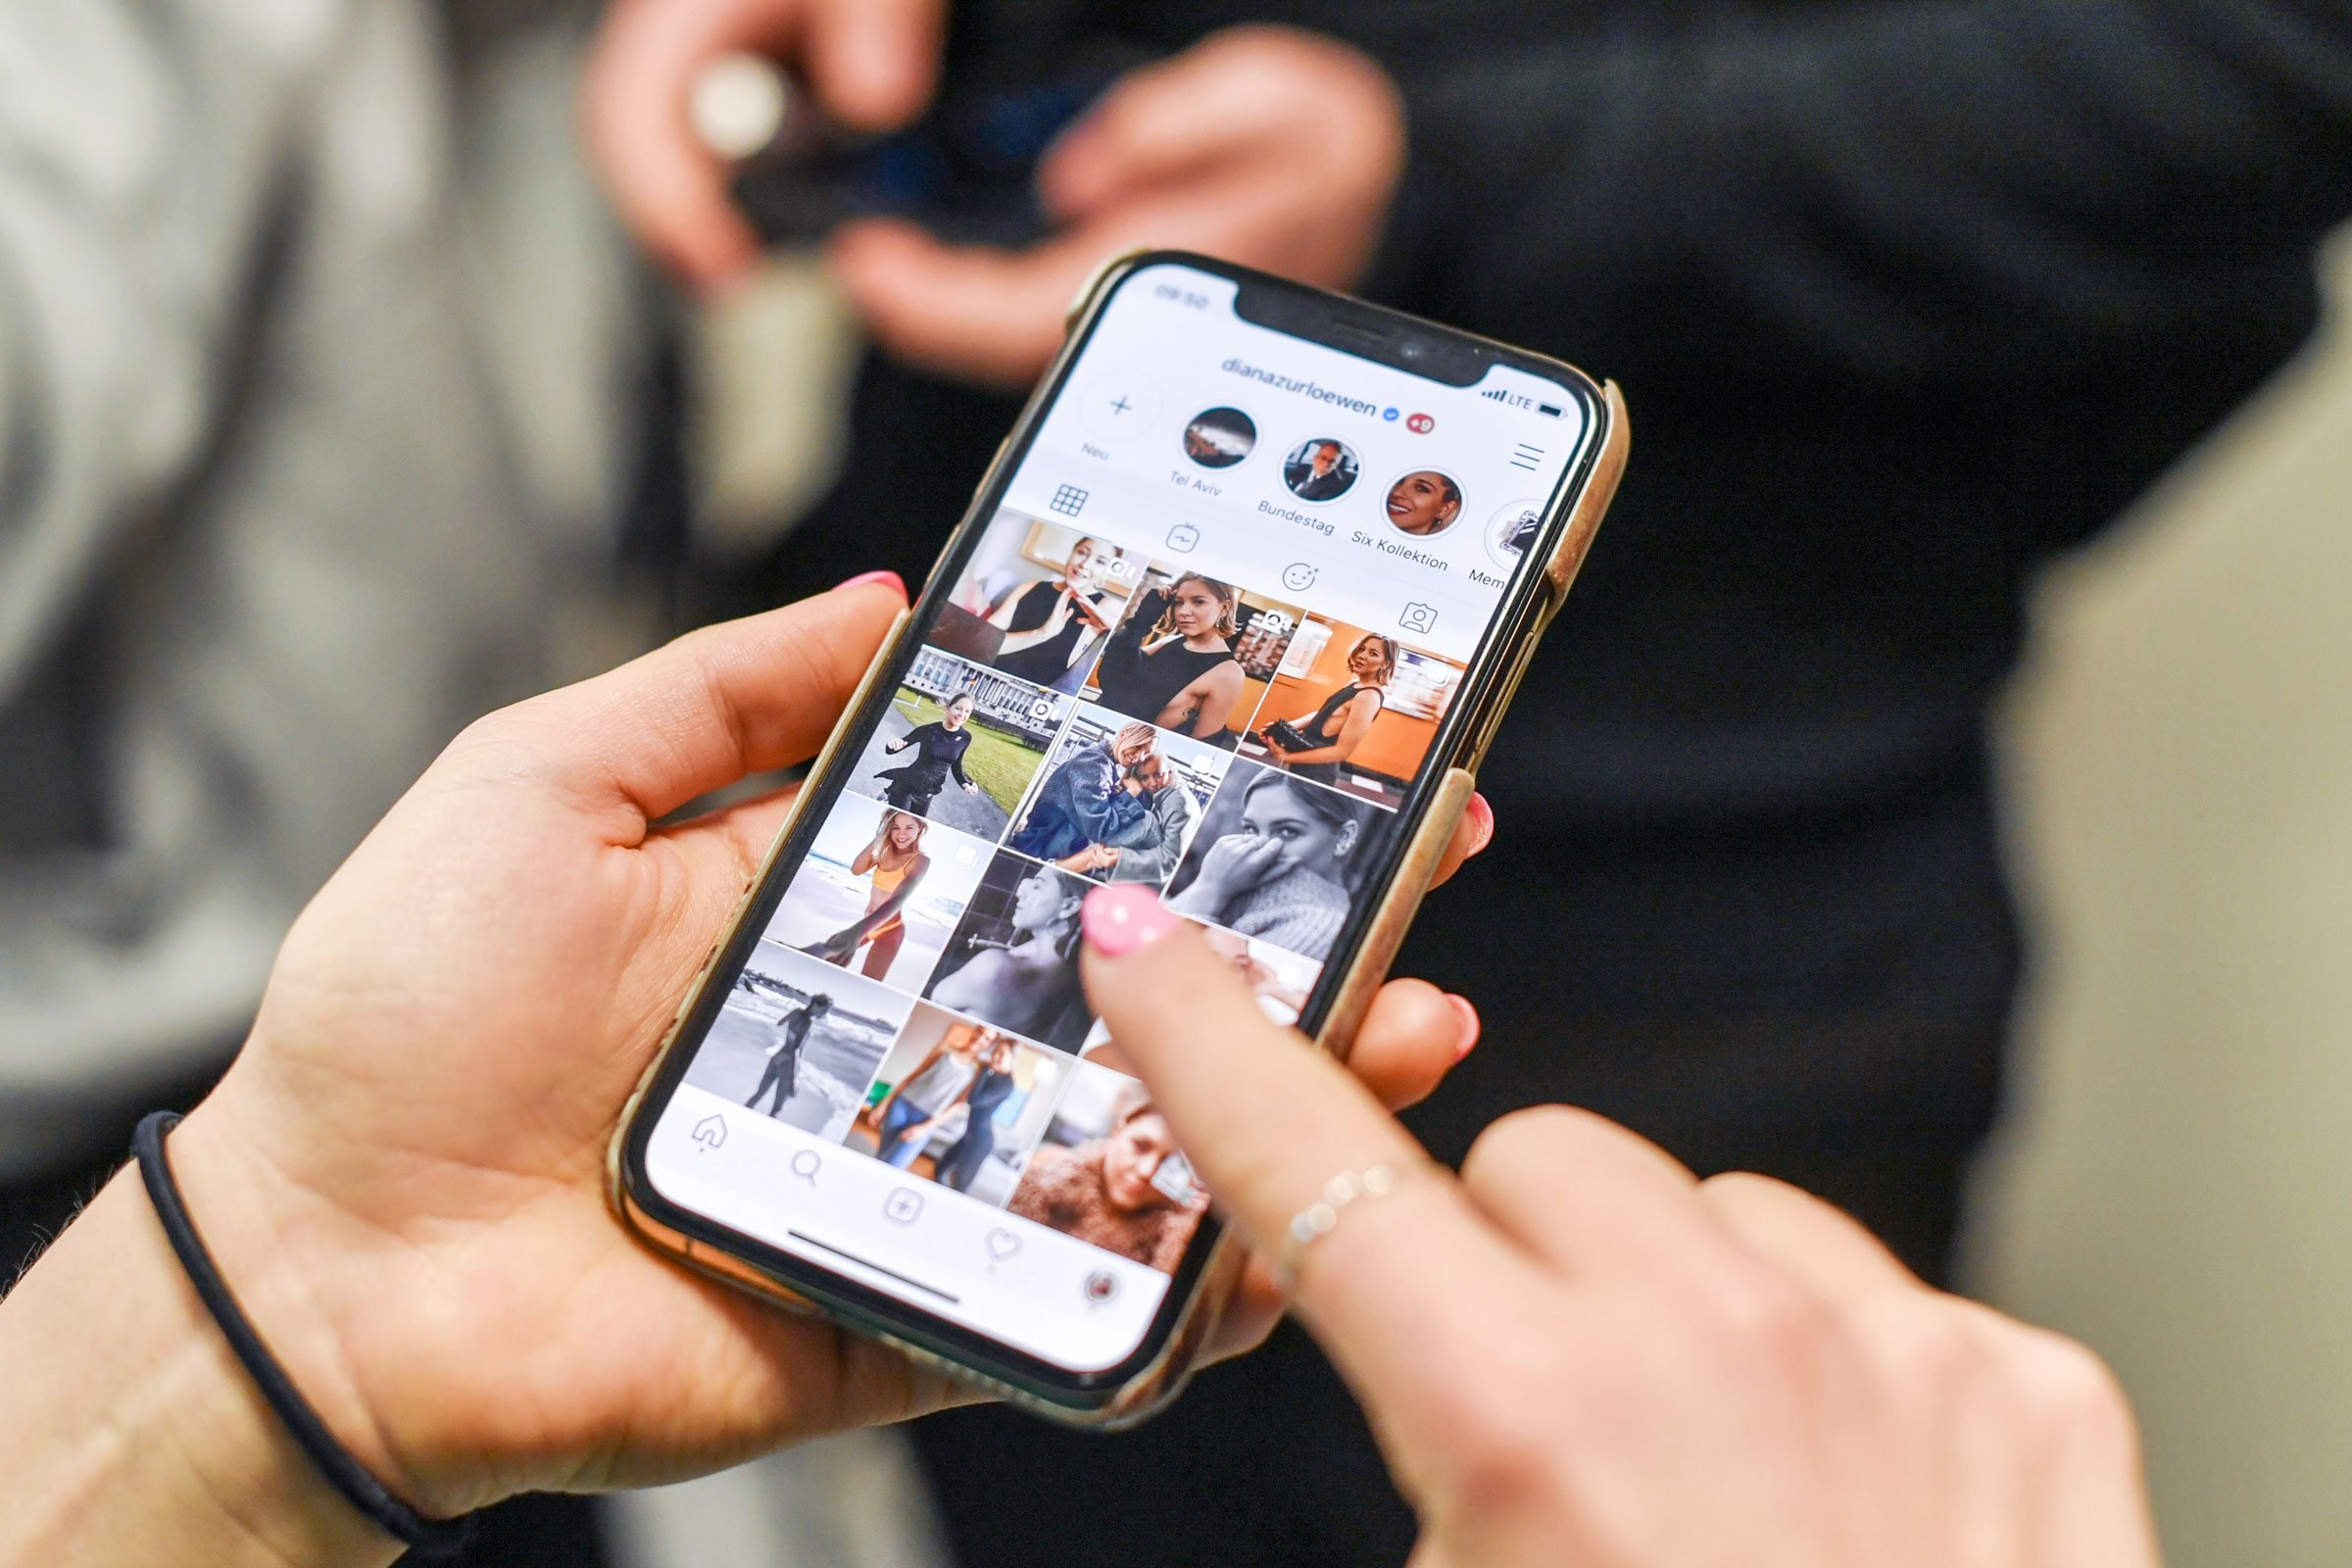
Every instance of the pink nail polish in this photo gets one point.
(1470, 1025)
(889, 579)
(1481, 817)
(1119, 921)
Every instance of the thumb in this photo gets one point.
(694, 716)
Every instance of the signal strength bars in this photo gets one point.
(1520, 400)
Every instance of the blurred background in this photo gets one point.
(2176, 1175)
(1937, 795)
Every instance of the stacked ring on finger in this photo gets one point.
(1321, 1217)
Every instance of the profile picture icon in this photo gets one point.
(1219, 438)
(1513, 529)
(1423, 502)
(1322, 469)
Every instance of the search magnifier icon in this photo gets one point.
(805, 1164)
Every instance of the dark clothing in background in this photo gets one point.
(1906, 299)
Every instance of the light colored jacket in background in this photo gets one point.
(314, 411)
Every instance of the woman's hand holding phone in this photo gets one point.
(402, 1176)
(1576, 1352)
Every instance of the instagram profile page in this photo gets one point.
(1205, 645)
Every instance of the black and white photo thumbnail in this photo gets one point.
(1014, 959)
(799, 1039)
(1280, 857)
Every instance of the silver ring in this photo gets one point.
(1320, 1218)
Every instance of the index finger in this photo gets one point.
(1270, 1122)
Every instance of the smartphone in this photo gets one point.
(1234, 614)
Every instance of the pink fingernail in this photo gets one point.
(1481, 817)
(1470, 1025)
(889, 579)
(1119, 921)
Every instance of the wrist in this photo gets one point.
(343, 1305)
(277, 1250)
(135, 1434)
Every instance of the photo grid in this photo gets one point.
(1078, 713)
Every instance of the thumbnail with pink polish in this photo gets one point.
(890, 580)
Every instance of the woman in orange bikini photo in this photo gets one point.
(895, 862)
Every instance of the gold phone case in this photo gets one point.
(1159, 1383)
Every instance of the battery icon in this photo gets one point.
(1548, 408)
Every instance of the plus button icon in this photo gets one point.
(1119, 407)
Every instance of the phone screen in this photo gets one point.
(1205, 643)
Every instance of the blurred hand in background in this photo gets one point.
(1268, 146)
(872, 63)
